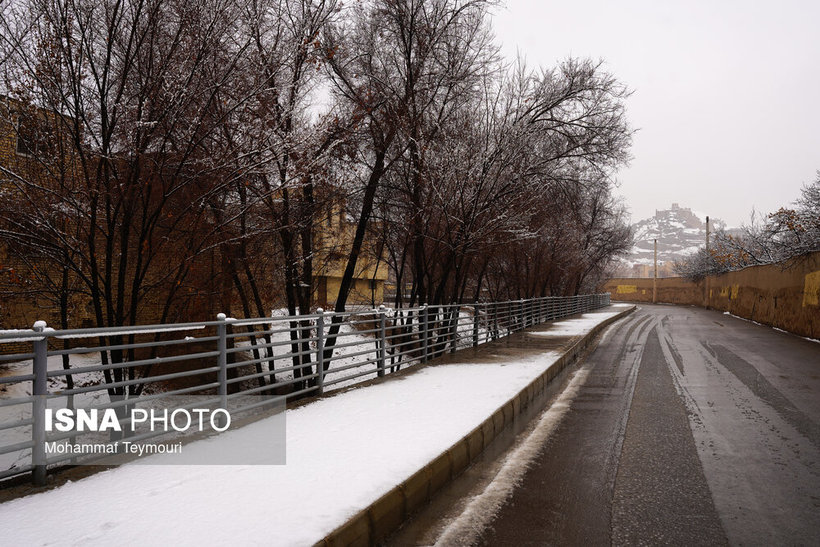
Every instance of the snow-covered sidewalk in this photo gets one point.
(343, 453)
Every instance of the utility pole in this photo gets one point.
(655, 278)
(706, 288)
(707, 234)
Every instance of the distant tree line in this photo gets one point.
(183, 131)
(786, 234)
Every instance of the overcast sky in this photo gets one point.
(726, 93)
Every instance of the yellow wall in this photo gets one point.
(784, 296)
(333, 239)
(361, 293)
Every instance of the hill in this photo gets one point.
(679, 231)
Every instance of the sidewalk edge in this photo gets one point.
(386, 514)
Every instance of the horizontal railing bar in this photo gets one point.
(145, 398)
(279, 319)
(15, 471)
(17, 401)
(251, 406)
(52, 461)
(349, 355)
(12, 425)
(16, 447)
(259, 389)
(260, 334)
(308, 389)
(68, 334)
(271, 345)
(355, 343)
(359, 332)
(357, 364)
(256, 361)
(354, 333)
(254, 376)
(285, 383)
(371, 372)
(401, 344)
(280, 357)
(130, 364)
(136, 345)
(16, 379)
(13, 358)
(291, 368)
(124, 383)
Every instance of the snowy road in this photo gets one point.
(690, 427)
(343, 452)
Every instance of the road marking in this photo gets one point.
(631, 357)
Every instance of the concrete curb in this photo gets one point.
(386, 514)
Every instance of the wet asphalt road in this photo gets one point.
(692, 428)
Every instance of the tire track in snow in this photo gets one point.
(466, 529)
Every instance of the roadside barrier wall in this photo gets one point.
(786, 296)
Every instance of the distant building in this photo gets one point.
(32, 148)
(679, 233)
(333, 241)
(665, 269)
(35, 153)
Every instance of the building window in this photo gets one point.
(34, 137)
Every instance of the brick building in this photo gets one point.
(334, 238)
(32, 149)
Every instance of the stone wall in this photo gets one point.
(786, 296)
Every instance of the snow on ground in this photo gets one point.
(346, 368)
(55, 362)
(571, 327)
(21, 390)
(343, 453)
(10, 413)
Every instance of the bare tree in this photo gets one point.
(133, 86)
(786, 234)
(495, 170)
(232, 129)
(395, 63)
(291, 144)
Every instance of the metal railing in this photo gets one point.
(243, 365)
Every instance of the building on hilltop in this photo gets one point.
(679, 232)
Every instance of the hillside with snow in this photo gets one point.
(679, 231)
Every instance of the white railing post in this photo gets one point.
(320, 352)
(424, 330)
(476, 316)
(222, 361)
(39, 392)
(382, 340)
